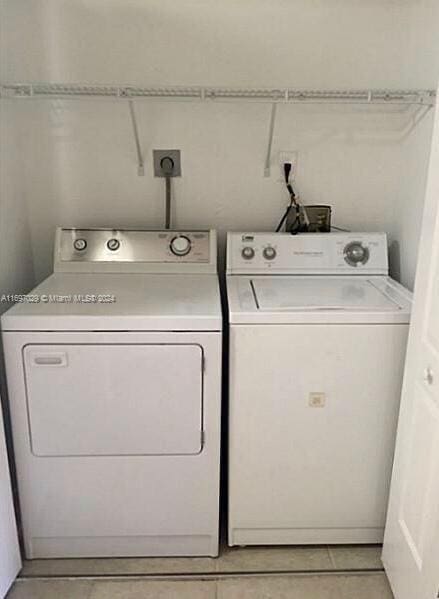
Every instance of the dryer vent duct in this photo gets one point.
(167, 164)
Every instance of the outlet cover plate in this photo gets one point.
(158, 156)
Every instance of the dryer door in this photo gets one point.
(125, 399)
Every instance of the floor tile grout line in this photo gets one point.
(206, 576)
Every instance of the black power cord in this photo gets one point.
(287, 172)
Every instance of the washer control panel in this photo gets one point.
(309, 253)
(102, 246)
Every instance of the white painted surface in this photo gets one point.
(158, 414)
(312, 279)
(317, 300)
(411, 545)
(301, 473)
(311, 254)
(10, 560)
(354, 295)
(141, 302)
(118, 505)
(316, 365)
(115, 415)
(93, 290)
(79, 158)
(16, 276)
(16, 248)
(420, 68)
(130, 41)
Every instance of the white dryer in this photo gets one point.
(114, 376)
(318, 336)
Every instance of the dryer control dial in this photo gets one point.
(80, 244)
(180, 245)
(248, 252)
(113, 244)
(355, 253)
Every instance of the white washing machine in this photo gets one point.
(114, 376)
(318, 336)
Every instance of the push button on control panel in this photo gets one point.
(248, 252)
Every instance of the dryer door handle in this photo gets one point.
(50, 360)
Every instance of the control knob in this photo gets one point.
(113, 244)
(248, 252)
(269, 253)
(180, 245)
(356, 253)
(80, 244)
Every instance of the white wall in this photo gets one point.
(79, 156)
(420, 69)
(16, 256)
(246, 42)
(16, 277)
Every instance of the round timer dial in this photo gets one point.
(355, 253)
(180, 245)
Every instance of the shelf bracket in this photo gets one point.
(418, 116)
(140, 161)
(270, 139)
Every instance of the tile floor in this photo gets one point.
(232, 560)
(241, 573)
(365, 586)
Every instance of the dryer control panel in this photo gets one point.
(134, 250)
(311, 253)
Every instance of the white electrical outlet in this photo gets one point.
(290, 157)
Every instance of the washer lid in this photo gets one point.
(290, 299)
(330, 293)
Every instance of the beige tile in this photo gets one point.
(245, 559)
(274, 559)
(53, 589)
(366, 586)
(106, 566)
(150, 589)
(281, 587)
(356, 557)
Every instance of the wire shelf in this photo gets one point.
(288, 95)
(423, 99)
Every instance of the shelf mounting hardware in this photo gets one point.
(141, 163)
(270, 139)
